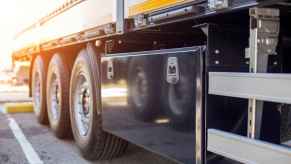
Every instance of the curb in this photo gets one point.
(18, 108)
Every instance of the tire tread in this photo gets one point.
(102, 145)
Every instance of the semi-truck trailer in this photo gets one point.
(196, 81)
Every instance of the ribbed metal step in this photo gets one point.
(261, 86)
(245, 150)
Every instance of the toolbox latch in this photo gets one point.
(110, 70)
(173, 76)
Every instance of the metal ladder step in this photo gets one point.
(246, 150)
(261, 86)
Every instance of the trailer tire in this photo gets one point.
(58, 81)
(144, 87)
(85, 111)
(179, 99)
(39, 89)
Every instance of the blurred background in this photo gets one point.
(15, 15)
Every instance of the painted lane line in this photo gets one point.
(28, 150)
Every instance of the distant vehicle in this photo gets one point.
(21, 74)
(196, 81)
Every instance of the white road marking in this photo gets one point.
(28, 150)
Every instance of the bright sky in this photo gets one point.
(16, 15)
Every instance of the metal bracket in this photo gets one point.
(140, 20)
(264, 34)
(218, 4)
(109, 29)
(173, 76)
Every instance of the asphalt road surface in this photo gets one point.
(34, 139)
(52, 150)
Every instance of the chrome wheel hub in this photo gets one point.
(36, 93)
(55, 98)
(83, 106)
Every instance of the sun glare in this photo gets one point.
(15, 15)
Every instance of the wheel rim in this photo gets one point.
(140, 88)
(83, 105)
(37, 93)
(55, 97)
